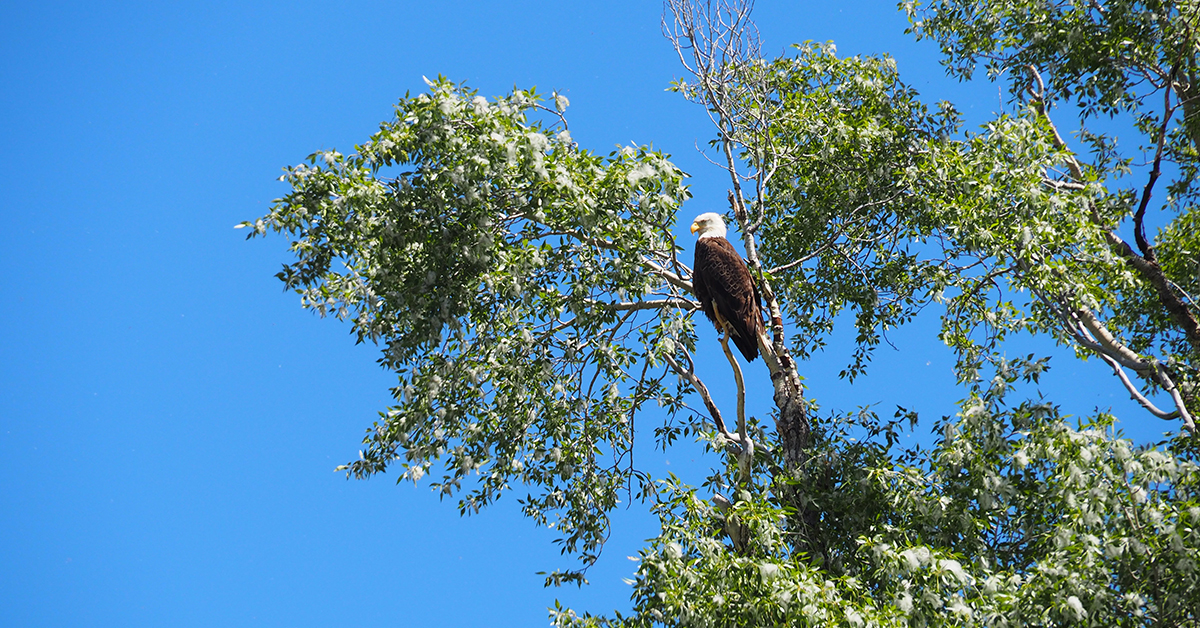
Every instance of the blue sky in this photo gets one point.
(170, 419)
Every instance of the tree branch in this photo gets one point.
(1037, 99)
(672, 278)
(1134, 393)
(659, 304)
(1146, 263)
(1139, 231)
(1152, 272)
(1111, 346)
(1090, 333)
(722, 45)
(1169, 385)
(746, 457)
(690, 375)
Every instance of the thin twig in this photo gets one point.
(660, 304)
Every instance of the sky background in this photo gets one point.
(170, 419)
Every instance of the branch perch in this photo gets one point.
(746, 457)
(690, 375)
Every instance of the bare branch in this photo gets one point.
(672, 278)
(1063, 185)
(660, 304)
(746, 457)
(1037, 99)
(1090, 333)
(1165, 378)
(1139, 226)
(690, 375)
(1119, 352)
(1134, 393)
(800, 260)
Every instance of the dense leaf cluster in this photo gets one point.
(1132, 61)
(1015, 517)
(494, 261)
(847, 146)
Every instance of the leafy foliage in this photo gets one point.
(845, 149)
(1130, 59)
(1014, 517)
(492, 263)
(529, 296)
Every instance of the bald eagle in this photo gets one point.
(723, 284)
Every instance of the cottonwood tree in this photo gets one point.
(530, 296)
(1062, 225)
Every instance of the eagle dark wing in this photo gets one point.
(723, 285)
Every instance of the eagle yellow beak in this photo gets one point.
(695, 227)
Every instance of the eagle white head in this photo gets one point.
(709, 225)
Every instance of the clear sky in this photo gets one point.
(170, 419)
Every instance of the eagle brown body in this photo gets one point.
(724, 286)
